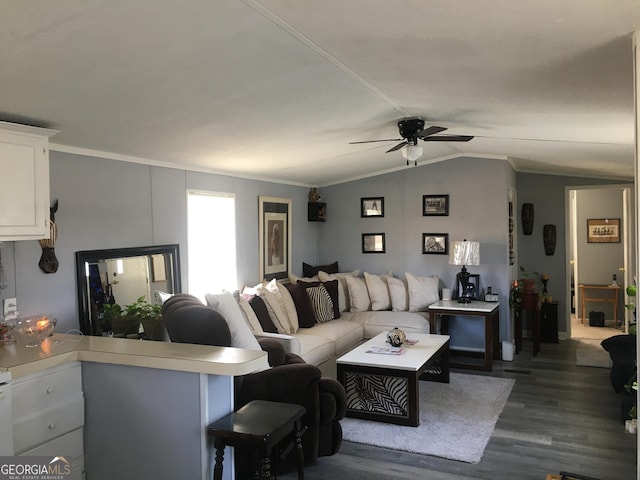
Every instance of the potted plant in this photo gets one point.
(126, 321)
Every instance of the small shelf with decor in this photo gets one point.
(317, 212)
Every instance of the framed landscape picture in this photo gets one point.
(435, 243)
(435, 205)
(603, 230)
(373, 243)
(372, 207)
(274, 227)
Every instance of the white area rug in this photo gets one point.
(456, 419)
(591, 354)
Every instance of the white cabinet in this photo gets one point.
(24, 182)
(48, 415)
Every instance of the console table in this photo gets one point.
(612, 293)
(489, 311)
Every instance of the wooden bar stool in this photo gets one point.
(258, 427)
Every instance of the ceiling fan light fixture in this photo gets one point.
(412, 152)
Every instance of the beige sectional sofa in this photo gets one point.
(368, 304)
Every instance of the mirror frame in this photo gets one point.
(88, 256)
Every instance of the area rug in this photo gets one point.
(591, 354)
(456, 419)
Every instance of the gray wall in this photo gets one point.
(112, 204)
(547, 193)
(477, 190)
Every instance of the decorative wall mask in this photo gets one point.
(527, 218)
(48, 262)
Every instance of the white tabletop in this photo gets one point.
(475, 306)
(412, 358)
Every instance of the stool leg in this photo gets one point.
(299, 451)
(217, 469)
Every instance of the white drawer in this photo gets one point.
(46, 389)
(69, 446)
(40, 427)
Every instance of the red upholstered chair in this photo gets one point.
(290, 379)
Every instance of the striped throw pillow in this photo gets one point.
(321, 303)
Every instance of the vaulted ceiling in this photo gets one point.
(278, 88)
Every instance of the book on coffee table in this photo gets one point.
(386, 350)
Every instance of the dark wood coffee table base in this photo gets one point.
(387, 394)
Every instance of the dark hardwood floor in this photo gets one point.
(558, 417)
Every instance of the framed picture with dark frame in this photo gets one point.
(373, 243)
(371, 207)
(603, 230)
(435, 243)
(274, 227)
(435, 205)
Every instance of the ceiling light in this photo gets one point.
(412, 153)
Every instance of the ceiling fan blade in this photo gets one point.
(449, 138)
(397, 147)
(372, 141)
(430, 131)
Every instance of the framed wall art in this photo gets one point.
(435, 205)
(435, 243)
(274, 227)
(603, 230)
(373, 243)
(372, 207)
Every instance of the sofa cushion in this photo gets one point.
(358, 294)
(228, 308)
(289, 307)
(310, 270)
(332, 288)
(321, 303)
(295, 278)
(249, 315)
(275, 306)
(343, 289)
(423, 291)
(374, 323)
(260, 309)
(302, 302)
(313, 348)
(399, 294)
(378, 291)
(342, 334)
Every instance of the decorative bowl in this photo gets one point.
(31, 331)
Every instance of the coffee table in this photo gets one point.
(384, 387)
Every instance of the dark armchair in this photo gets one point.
(290, 379)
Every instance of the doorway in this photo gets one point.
(605, 263)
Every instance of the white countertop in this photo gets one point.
(474, 306)
(412, 357)
(63, 348)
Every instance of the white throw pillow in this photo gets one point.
(343, 290)
(289, 307)
(358, 294)
(249, 314)
(399, 294)
(275, 307)
(226, 305)
(423, 291)
(378, 291)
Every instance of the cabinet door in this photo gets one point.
(24, 187)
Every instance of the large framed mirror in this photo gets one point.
(120, 277)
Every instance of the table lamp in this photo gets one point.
(464, 253)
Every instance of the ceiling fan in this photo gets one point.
(411, 129)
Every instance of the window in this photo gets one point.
(211, 239)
